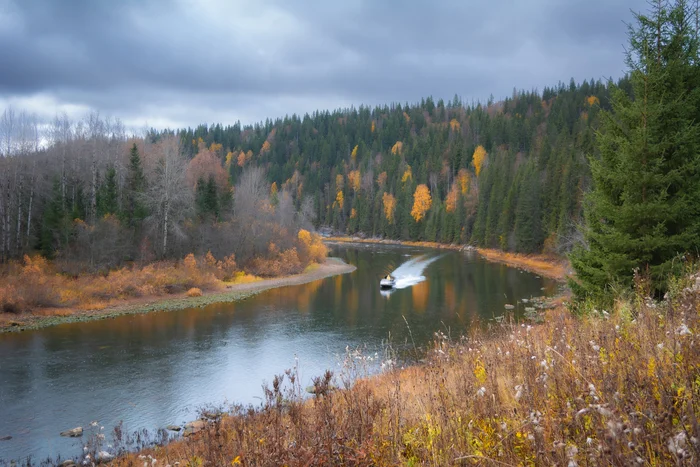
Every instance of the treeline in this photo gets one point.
(509, 175)
(94, 199)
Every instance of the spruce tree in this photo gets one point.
(643, 211)
(107, 196)
(134, 210)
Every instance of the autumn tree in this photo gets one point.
(478, 159)
(421, 202)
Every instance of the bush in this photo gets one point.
(194, 292)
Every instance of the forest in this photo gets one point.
(506, 174)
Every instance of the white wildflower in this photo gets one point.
(481, 392)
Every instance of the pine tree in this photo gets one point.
(644, 208)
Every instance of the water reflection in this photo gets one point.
(157, 369)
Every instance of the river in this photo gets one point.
(157, 369)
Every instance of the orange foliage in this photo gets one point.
(242, 159)
(204, 165)
(265, 147)
(397, 148)
(463, 180)
(353, 213)
(277, 263)
(454, 125)
(194, 292)
(421, 202)
(381, 179)
(373, 127)
(389, 202)
(339, 182)
(451, 200)
(354, 179)
(273, 189)
(408, 119)
(479, 158)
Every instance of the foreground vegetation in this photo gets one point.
(618, 386)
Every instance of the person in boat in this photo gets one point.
(388, 277)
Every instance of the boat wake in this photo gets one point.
(411, 272)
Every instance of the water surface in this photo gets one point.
(157, 369)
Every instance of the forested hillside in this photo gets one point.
(507, 174)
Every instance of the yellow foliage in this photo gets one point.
(311, 247)
(273, 189)
(373, 126)
(592, 100)
(339, 182)
(381, 179)
(353, 154)
(407, 174)
(389, 202)
(339, 199)
(229, 159)
(454, 125)
(194, 292)
(216, 147)
(353, 213)
(397, 148)
(479, 158)
(421, 202)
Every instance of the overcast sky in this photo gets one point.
(181, 63)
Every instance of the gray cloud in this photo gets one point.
(186, 62)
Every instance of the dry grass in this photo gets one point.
(545, 265)
(617, 388)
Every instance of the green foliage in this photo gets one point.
(644, 208)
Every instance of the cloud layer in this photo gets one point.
(203, 61)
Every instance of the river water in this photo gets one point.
(152, 370)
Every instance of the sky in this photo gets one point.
(171, 64)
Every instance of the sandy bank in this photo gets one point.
(233, 292)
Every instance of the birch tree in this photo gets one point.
(169, 199)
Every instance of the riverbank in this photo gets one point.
(231, 293)
(613, 388)
(552, 267)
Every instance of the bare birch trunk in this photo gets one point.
(29, 209)
(18, 240)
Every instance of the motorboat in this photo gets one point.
(387, 282)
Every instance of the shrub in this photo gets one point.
(194, 292)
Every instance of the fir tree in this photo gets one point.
(644, 208)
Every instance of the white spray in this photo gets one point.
(411, 272)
